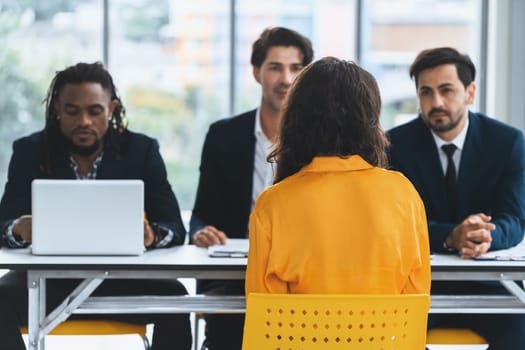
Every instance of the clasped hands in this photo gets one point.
(472, 237)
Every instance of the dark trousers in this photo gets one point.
(170, 332)
(223, 331)
(502, 332)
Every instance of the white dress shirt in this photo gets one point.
(262, 169)
(458, 141)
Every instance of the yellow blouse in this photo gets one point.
(339, 226)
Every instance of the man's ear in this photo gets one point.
(112, 106)
(256, 71)
(471, 93)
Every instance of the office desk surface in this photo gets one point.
(187, 257)
(182, 261)
(190, 255)
(440, 262)
(191, 261)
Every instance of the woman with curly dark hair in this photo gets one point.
(336, 221)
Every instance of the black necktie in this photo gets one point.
(450, 178)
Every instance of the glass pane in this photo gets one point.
(38, 38)
(170, 62)
(395, 31)
(329, 24)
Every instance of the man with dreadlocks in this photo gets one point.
(85, 137)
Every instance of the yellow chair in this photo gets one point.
(98, 327)
(458, 336)
(310, 321)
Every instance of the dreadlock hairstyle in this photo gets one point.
(332, 109)
(76, 74)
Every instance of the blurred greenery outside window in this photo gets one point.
(170, 59)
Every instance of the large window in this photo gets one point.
(179, 65)
(170, 62)
(36, 39)
(329, 24)
(395, 31)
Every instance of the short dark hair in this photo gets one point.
(77, 74)
(279, 36)
(444, 55)
(333, 109)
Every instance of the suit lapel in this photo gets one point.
(429, 168)
(468, 182)
(62, 167)
(246, 158)
(108, 167)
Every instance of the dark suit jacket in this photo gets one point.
(224, 194)
(491, 177)
(139, 159)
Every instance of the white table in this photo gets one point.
(184, 261)
(452, 268)
(193, 262)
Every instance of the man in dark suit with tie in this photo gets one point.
(469, 170)
(234, 169)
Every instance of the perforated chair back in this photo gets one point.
(310, 322)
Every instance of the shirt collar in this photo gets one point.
(92, 175)
(259, 133)
(258, 127)
(458, 141)
(335, 163)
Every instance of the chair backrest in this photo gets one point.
(455, 336)
(308, 322)
(98, 327)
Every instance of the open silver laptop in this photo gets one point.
(87, 217)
